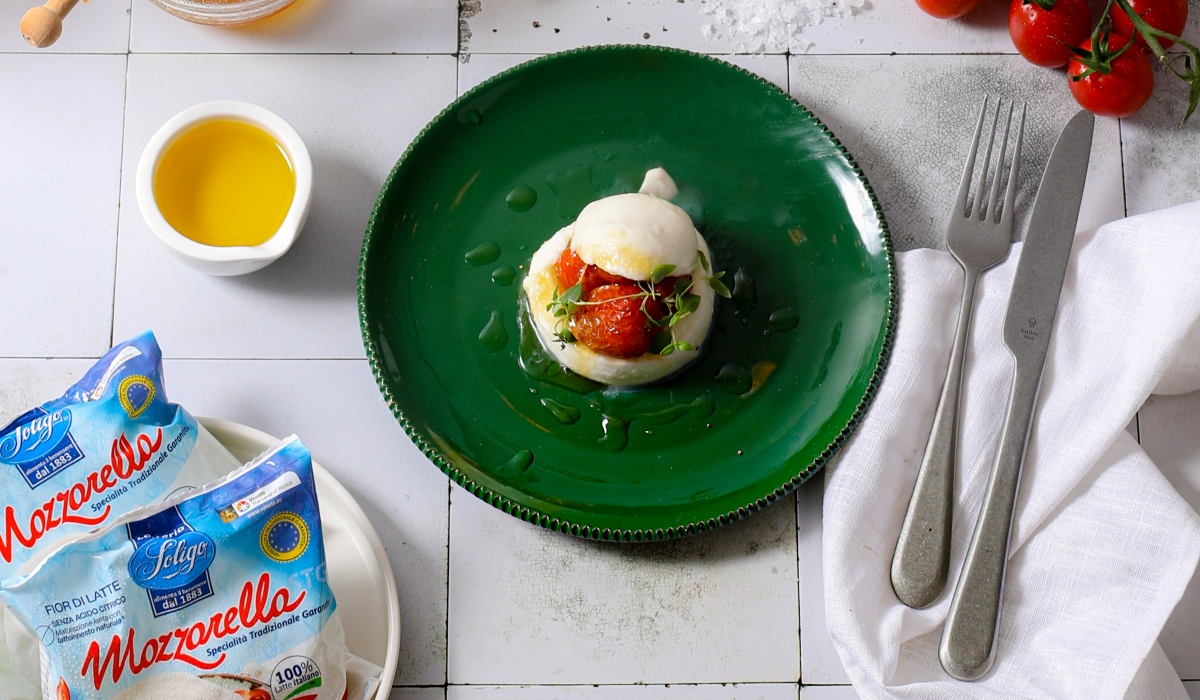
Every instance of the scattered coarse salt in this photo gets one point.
(757, 26)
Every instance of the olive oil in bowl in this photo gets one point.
(225, 182)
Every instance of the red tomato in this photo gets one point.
(1168, 16)
(667, 287)
(594, 277)
(1122, 91)
(1045, 37)
(617, 326)
(568, 268)
(947, 9)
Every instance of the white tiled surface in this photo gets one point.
(523, 26)
(309, 26)
(101, 26)
(60, 153)
(356, 114)
(493, 608)
(528, 606)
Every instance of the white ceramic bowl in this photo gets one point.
(226, 260)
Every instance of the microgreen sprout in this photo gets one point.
(679, 303)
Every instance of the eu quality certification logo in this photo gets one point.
(284, 537)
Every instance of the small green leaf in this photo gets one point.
(689, 303)
(566, 336)
(575, 293)
(660, 342)
(719, 287)
(682, 284)
(667, 350)
(685, 346)
(660, 273)
(703, 259)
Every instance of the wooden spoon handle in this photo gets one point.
(42, 26)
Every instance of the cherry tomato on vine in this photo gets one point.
(1169, 16)
(1120, 92)
(1045, 35)
(947, 9)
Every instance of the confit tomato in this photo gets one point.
(569, 268)
(614, 323)
(947, 9)
(1169, 16)
(1045, 37)
(1123, 90)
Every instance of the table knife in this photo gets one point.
(968, 646)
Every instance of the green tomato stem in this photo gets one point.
(1151, 35)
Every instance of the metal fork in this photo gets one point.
(979, 240)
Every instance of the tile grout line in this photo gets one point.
(112, 319)
(631, 684)
(449, 481)
(129, 52)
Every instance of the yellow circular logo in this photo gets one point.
(135, 394)
(284, 537)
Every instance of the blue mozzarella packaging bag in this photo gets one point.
(217, 594)
(111, 443)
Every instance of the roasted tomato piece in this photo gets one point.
(616, 325)
(667, 287)
(569, 268)
(594, 277)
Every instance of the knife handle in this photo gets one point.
(922, 559)
(968, 645)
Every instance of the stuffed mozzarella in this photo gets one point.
(625, 294)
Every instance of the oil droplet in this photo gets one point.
(493, 337)
(522, 198)
(519, 462)
(823, 370)
(784, 320)
(483, 254)
(739, 453)
(473, 116)
(760, 371)
(567, 415)
(616, 425)
(616, 433)
(504, 275)
(734, 379)
(745, 296)
(767, 333)
(649, 432)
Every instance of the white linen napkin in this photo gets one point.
(1102, 545)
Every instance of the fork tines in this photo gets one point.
(976, 206)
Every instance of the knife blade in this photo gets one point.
(968, 645)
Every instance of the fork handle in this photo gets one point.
(968, 645)
(922, 559)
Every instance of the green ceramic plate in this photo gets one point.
(772, 191)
